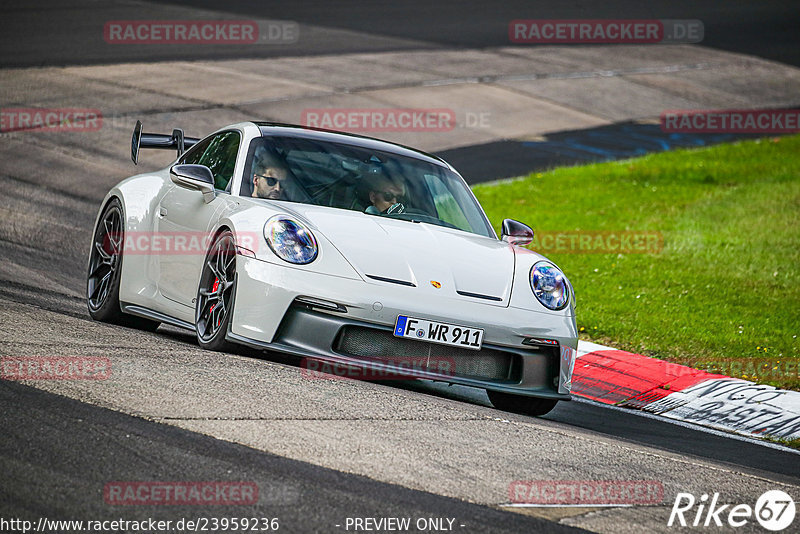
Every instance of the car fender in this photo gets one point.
(139, 196)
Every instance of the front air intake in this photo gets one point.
(380, 345)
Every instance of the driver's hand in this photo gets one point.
(396, 208)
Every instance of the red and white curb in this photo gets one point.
(620, 378)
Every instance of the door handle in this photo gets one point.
(162, 211)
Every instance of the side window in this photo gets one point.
(219, 155)
(194, 154)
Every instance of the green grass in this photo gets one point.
(723, 293)
(793, 443)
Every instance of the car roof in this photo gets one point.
(319, 134)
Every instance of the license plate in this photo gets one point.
(436, 332)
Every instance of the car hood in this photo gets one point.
(385, 250)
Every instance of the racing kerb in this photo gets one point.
(619, 378)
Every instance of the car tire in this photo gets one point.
(519, 404)
(215, 294)
(105, 270)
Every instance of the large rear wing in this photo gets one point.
(175, 141)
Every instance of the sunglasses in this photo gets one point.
(270, 180)
(388, 196)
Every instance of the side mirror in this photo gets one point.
(196, 177)
(516, 233)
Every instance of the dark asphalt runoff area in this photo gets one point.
(51, 32)
(510, 158)
(62, 452)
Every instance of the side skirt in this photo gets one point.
(147, 313)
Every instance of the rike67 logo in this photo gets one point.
(774, 510)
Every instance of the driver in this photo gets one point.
(269, 175)
(383, 194)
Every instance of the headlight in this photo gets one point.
(290, 240)
(549, 285)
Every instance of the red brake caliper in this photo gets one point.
(214, 289)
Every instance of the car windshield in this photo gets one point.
(356, 178)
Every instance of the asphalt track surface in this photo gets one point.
(319, 451)
(44, 429)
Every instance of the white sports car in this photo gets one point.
(336, 248)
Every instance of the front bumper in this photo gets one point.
(268, 315)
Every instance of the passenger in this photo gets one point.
(384, 194)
